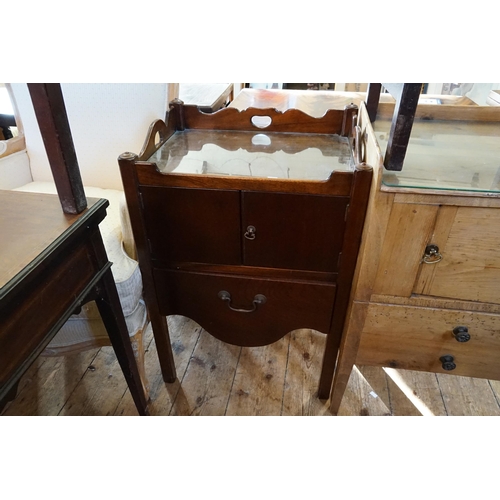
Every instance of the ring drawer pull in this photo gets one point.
(258, 299)
(250, 234)
(448, 362)
(461, 334)
(432, 255)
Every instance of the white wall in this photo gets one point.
(106, 119)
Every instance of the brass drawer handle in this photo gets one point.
(258, 299)
(448, 362)
(461, 334)
(432, 255)
(250, 234)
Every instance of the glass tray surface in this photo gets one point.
(254, 154)
(447, 155)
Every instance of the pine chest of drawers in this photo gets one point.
(426, 294)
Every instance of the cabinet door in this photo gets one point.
(193, 225)
(469, 241)
(292, 231)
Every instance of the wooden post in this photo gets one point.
(406, 95)
(372, 99)
(52, 119)
(178, 107)
(347, 121)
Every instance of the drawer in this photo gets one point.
(415, 338)
(238, 318)
(27, 318)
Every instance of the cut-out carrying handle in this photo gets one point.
(261, 121)
(156, 136)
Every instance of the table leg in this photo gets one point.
(109, 306)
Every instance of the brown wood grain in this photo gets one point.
(415, 338)
(457, 398)
(44, 389)
(59, 285)
(305, 236)
(348, 350)
(377, 216)
(338, 184)
(208, 379)
(193, 225)
(50, 111)
(256, 271)
(430, 112)
(407, 235)
(293, 231)
(305, 357)
(415, 393)
(291, 120)
(258, 384)
(360, 399)
(69, 268)
(444, 222)
(196, 295)
(47, 385)
(454, 198)
(378, 381)
(33, 234)
(90, 397)
(185, 334)
(350, 249)
(436, 303)
(470, 269)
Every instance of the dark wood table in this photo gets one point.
(50, 264)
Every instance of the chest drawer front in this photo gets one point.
(193, 225)
(287, 306)
(293, 231)
(415, 338)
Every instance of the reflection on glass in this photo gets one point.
(449, 155)
(270, 155)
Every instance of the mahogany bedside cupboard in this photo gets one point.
(249, 223)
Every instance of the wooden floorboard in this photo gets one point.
(360, 399)
(259, 381)
(414, 393)
(305, 357)
(208, 379)
(49, 383)
(216, 379)
(377, 379)
(101, 389)
(185, 334)
(468, 396)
